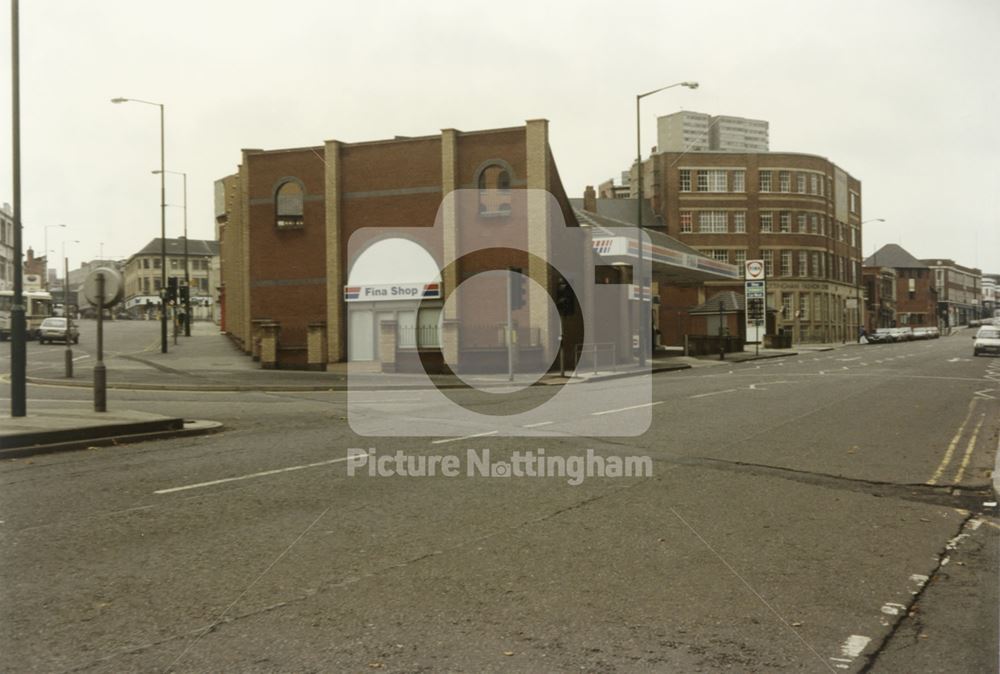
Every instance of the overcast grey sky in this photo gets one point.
(903, 95)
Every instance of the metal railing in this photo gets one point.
(594, 351)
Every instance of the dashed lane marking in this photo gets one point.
(250, 476)
(463, 437)
(713, 393)
(625, 409)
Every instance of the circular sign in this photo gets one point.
(114, 287)
(755, 269)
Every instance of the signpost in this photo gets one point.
(103, 288)
(755, 291)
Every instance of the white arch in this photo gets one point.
(394, 260)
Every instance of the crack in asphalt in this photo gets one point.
(872, 657)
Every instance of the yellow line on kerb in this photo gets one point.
(952, 445)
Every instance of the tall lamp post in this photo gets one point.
(163, 225)
(187, 273)
(66, 314)
(644, 330)
(45, 237)
(18, 341)
(857, 283)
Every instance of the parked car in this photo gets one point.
(921, 333)
(933, 332)
(882, 336)
(54, 330)
(903, 334)
(987, 340)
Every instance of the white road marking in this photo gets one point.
(464, 437)
(250, 476)
(540, 423)
(626, 409)
(847, 359)
(86, 355)
(985, 393)
(853, 645)
(893, 609)
(713, 393)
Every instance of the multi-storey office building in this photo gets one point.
(143, 276)
(689, 131)
(991, 294)
(800, 213)
(958, 290)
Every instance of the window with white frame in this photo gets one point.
(717, 181)
(740, 222)
(815, 264)
(686, 222)
(712, 222)
(800, 183)
(814, 224)
(766, 221)
(740, 257)
(803, 306)
(702, 181)
(739, 181)
(803, 263)
(785, 222)
(685, 180)
(784, 181)
(854, 237)
(768, 257)
(786, 263)
(813, 184)
(801, 218)
(717, 254)
(840, 269)
(854, 202)
(786, 305)
(765, 181)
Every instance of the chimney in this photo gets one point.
(590, 199)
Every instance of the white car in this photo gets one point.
(987, 340)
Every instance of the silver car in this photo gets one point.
(54, 330)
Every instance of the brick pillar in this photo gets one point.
(387, 345)
(269, 334)
(255, 336)
(450, 344)
(316, 346)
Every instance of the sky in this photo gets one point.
(902, 95)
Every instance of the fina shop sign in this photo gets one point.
(392, 292)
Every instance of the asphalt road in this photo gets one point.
(823, 512)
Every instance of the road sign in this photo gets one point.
(755, 291)
(114, 287)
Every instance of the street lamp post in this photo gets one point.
(187, 273)
(163, 225)
(66, 314)
(643, 314)
(18, 337)
(45, 239)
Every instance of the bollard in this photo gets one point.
(100, 374)
(69, 360)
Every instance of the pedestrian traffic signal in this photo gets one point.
(518, 288)
(171, 289)
(185, 294)
(565, 299)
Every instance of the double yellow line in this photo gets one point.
(953, 445)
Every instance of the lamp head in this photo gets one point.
(690, 85)
(119, 100)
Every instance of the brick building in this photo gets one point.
(916, 298)
(800, 213)
(879, 297)
(286, 219)
(959, 291)
(6, 248)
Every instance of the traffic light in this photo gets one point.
(185, 294)
(565, 299)
(518, 288)
(171, 290)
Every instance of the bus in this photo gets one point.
(37, 307)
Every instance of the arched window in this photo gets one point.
(494, 190)
(289, 204)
